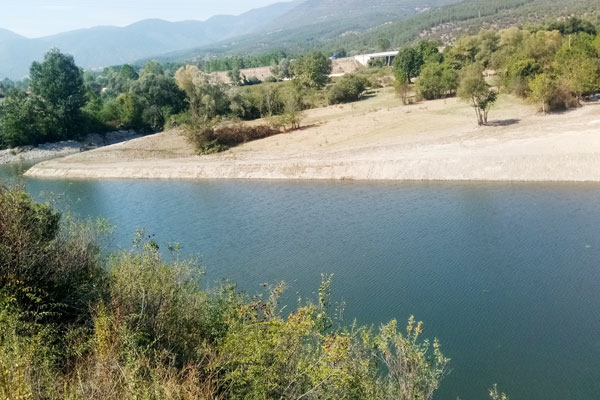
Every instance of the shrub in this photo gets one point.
(155, 333)
(437, 81)
(348, 88)
(235, 134)
(48, 272)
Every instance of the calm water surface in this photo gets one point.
(506, 275)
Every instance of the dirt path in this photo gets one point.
(375, 139)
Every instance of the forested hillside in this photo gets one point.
(438, 20)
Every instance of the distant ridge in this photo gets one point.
(108, 45)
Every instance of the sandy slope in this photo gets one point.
(376, 139)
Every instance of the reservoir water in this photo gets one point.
(507, 276)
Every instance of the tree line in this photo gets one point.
(59, 101)
(553, 66)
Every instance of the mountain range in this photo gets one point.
(294, 26)
(108, 45)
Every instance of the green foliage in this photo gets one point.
(519, 72)
(407, 64)
(409, 61)
(572, 25)
(474, 90)
(437, 81)
(129, 111)
(53, 109)
(154, 332)
(18, 123)
(543, 89)
(159, 97)
(348, 88)
(311, 70)
(47, 272)
(579, 65)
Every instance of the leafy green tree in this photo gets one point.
(5, 85)
(152, 67)
(407, 64)
(57, 86)
(579, 66)
(572, 25)
(489, 42)
(127, 72)
(437, 81)
(160, 98)
(281, 70)
(543, 89)
(519, 71)
(463, 53)
(206, 99)
(18, 124)
(348, 88)
(474, 90)
(129, 111)
(311, 70)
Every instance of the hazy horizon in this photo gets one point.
(38, 18)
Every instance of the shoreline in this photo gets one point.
(64, 148)
(371, 141)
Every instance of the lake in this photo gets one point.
(507, 276)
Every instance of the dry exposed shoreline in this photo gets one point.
(376, 139)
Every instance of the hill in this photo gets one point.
(401, 22)
(108, 45)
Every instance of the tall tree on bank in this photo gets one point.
(52, 110)
(58, 92)
(474, 89)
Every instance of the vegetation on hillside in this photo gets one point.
(553, 66)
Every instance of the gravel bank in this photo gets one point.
(60, 149)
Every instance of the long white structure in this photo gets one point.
(365, 58)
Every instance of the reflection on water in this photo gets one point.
(506, 275)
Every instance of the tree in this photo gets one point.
(579, 65)
(572, 25)
(160, 98)
(17, 120)
(5, 86)
(436, 81)
(519, 70)
(58, 89)
(206, 99)
(127, 72)
(543, 88)
(129, 111)
(348, 88)
(474, 90)
(235, 74)
(281, 70)
(407, 64)
(311, 70)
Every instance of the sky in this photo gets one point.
(36, 18)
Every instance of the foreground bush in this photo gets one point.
(151, 332)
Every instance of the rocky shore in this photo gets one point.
(59, 149)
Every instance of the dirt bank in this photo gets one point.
(375, 139)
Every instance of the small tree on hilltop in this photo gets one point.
(474, 90)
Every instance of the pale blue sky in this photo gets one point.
(34, 18)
